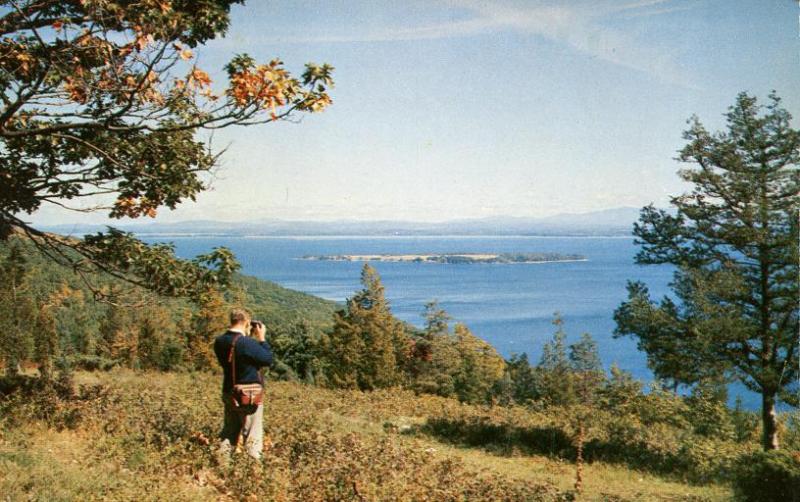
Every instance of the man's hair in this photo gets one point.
(239, 315)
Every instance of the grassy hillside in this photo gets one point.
(150, 436)
(275, 304)
(278, 306)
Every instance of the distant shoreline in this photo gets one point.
(454, 258)
(376, 236)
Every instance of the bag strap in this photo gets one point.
(232, 358)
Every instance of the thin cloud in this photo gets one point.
(658, 12)
(430, 32)
(640, 4)
(578, 24)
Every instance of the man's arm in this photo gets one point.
(258, 350)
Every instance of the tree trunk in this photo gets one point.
(769, 421)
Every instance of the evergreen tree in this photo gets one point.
(300, 348)
(524, 379)
(118, 337)
(480, 368)
(77, 324)
(18, 311)
(208, 322)
(367, 346)
(583, 356)
(46, 341)
(554, 373)
(586, 367)
(587, 376)
(620, 390)
(344, 350)
(734, 240)
(156, 334)
(435, 358)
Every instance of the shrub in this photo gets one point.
(170, 356)
(768, 476)
(89, 362)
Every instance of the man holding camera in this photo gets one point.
(242, 358)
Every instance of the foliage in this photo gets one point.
(768, 476)
(734, 239)
(434, 362)
(159, 440)
(708, 413)
(126, 436)
(139, 329)
(17, 309)
(555, 374)
(301, 350)
(522, 379)
(481, 367)
(281, 307)
(367, 346)
(102, 104)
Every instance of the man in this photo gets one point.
(251, 354)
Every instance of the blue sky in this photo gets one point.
(461, 109)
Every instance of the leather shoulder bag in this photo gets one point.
(245, 396)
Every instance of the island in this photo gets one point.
(455, 258)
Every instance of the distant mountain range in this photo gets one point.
(609, 222)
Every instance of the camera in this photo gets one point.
(254, 324)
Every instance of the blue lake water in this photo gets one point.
(509, 305)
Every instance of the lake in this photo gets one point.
(510, 305)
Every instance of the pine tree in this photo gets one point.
(208, 322)
(46, 342)
(299, 347)
(524, 379)
(156, 330)
(587, 376)
(435, 359)
(18, 311)
(367, 346)
(734, 241)
(118, 337)
(554, 372)
(344, 351)
(480, 368)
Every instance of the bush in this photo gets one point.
(768, 476)
(170, 357)
(89, 362)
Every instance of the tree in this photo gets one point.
(156, 336)
(208, 322)
(298, 346)
(102, 102)
(481, 367)
(435, 356)
(554, 371)
(588, 375)
(367, 346)
(734, 241)
(18, 311)
(524, 385)
(118, 336)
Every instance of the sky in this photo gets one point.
(466, 109)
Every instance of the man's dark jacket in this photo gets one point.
(250, 356)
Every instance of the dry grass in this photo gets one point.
(144, 438)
